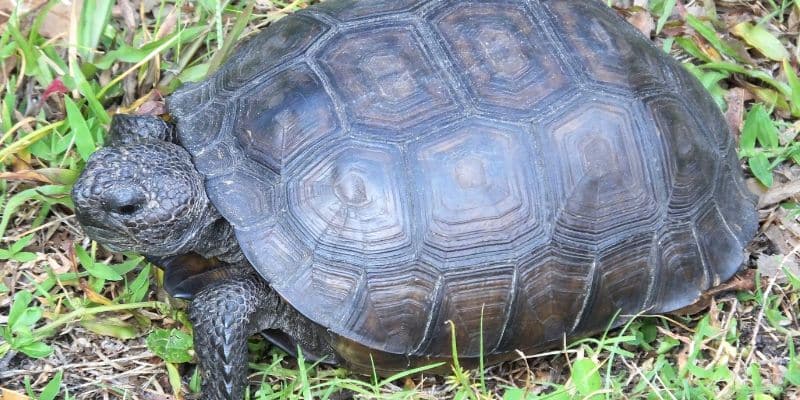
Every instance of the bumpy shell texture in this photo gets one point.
(391, 165)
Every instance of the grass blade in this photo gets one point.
(94, 19)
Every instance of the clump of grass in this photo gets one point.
(58, 97)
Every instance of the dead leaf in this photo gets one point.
(43, 175)
(735, 99)
(169, 24)
(778, 194)
(743, 281)
(56, 22)
(151, 107)
(781, 239)
(755, 187)
(124, 8)
(6, 394)
(773, 266)
(643, 21)
(683, 356)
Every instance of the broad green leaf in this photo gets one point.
(194, 73)
(113, 327)
(758, 127)
(96, 270)
(174, 377)
(18, 307)
(747, 142)
(137, 290)
(666, 345)
(688, 45)
(761, 39)
(27, 48)
(195, 381)
(48, 194)
(761, 168)
(36, 350)
(771, 98)
(20, 244)
(586, 377)
(793, 369)
(752, 73)
(27, 319)
(516, 394)
(171, 345)
(708, 33)
(127, 266)
(24, 256)
(83, 137)
(129, 54)
(91, 97)
(52, 388)
(755, 377)
(794, 85)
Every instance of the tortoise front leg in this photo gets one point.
(224, 314)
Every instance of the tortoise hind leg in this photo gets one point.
(224, 314)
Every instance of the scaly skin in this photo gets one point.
(224, 315)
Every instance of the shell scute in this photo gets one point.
(719, 246)
(622, 279)
(605, 188)
(691, 159)
(245, 198)
(552, 289)
(678, 273)
(389, 83)
(613, 53)
(349, 10)
(474, 297)
(257, 57)
(507, 58)
(398, 318)
(351, 202)
(289, 112)
(475, 196)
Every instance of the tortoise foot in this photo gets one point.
(224, 314)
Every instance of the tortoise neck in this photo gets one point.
(217, 239)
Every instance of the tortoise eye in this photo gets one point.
(124, 201)
(128, 209)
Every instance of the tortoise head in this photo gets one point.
(142, 193)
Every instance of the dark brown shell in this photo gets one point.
(535, 165)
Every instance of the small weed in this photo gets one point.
(18, 333)
(50, 390)
(14, 252)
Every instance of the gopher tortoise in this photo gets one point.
(364, 179)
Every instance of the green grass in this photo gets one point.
(55, 282)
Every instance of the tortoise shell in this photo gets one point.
(532, 167)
